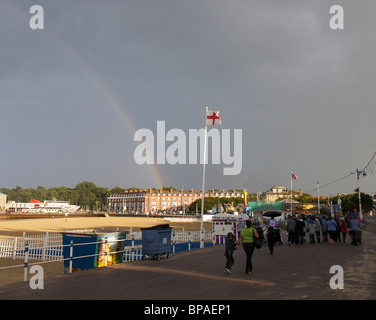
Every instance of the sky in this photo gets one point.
(73, 95)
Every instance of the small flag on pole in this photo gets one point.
(212, 118)
(293, 176)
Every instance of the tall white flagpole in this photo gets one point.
(203, 183)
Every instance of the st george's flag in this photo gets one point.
(212, 118)
(294, 177)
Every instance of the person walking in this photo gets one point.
(344, 230)
(241, 222)
(290, 228)
(317, 229)
(338, 229)
(246, 237)
(355, 228)
(231, 245)
(332, 230)
(324, 229)
(311, 231)
(270, 235)
(299, 230)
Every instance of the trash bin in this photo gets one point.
(97, 248)
(156, 241)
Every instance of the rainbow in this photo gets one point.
(102, 89)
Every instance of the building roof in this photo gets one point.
(282, 189)
(290, 201)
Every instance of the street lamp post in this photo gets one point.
(318, 198)
(358, 173)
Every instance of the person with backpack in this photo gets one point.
(247, 236)
(271, 239)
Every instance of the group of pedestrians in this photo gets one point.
(247, 237)
(323, 229)
(320, 229)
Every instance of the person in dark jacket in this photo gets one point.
(299, 230)
(290, 228)
(231, 245)
(270, 235)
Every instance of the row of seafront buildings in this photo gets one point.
(152, 200)
(130, 201)
(147, 200)
(142, 200)
(35, 206)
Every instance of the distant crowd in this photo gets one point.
(320, 229)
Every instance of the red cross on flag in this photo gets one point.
(212, 118)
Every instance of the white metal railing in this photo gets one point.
(132, 253)
(44, 247)
(179, 235)
(49, 247)
(193, 236)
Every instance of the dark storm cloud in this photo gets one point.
(302, 93)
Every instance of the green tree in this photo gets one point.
(116, 190)
(87, 195)
(210, 202)
(40, 194)
(350, 202)
(307, 198)
(102, 194)
(73, 196)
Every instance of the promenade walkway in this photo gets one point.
(293, 272)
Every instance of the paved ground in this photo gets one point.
(293, 272)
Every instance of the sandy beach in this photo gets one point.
(35, 226)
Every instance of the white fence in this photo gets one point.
(178, 236)
(49, 246)
(132, 253)
(44, 247)
(192, 236)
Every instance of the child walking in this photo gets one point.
(231, 245)
(344, 230)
